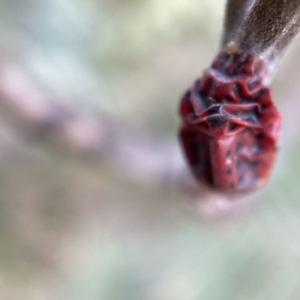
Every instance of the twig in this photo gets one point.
(262, 27)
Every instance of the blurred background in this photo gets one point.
(96, 202)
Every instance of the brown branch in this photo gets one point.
(262, 27)
(236, 10)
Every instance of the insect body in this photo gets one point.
(230, 124)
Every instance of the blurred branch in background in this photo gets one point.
(35, 114)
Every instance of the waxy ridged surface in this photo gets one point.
(230, 124)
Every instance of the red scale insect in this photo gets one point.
(230, 124)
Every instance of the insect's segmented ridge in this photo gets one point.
(230, 124)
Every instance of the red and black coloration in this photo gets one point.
(230, 124)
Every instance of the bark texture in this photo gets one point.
(262, 27)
